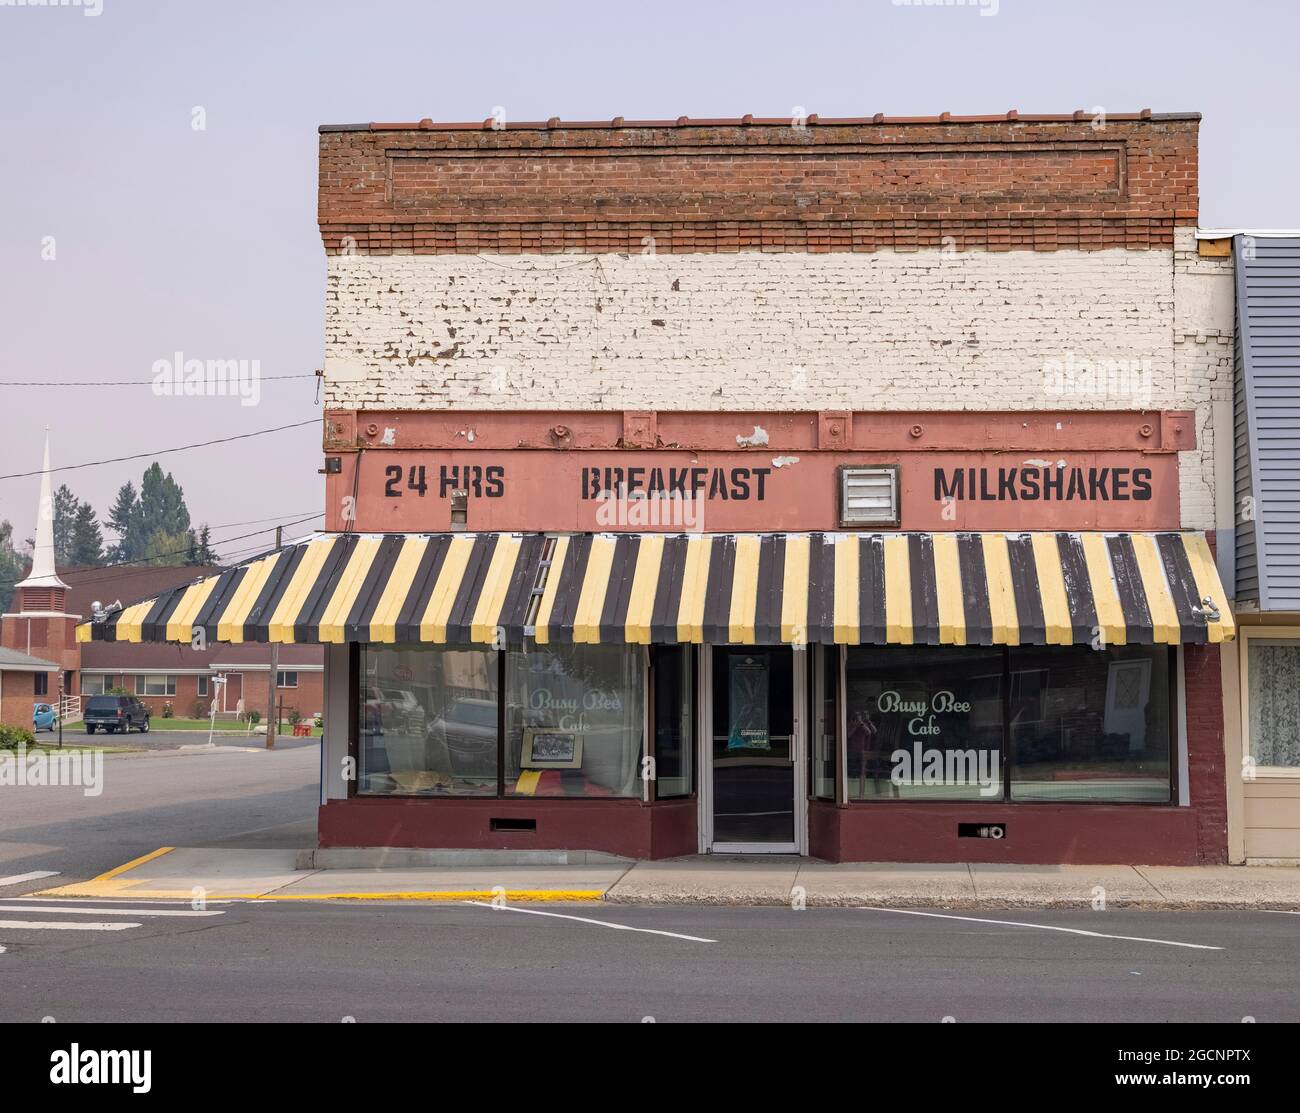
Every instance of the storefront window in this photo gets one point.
(673, 728)
(575, 719)
(428, 721)
(1090, 725)
(1273, 695)
(924, 722)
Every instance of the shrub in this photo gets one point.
(295, 716)
(202, 709)
(168, 712)
(319, 720)
(253, 717)
(12, 737)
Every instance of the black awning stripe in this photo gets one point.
(771, 580)
(717, 603)
(974, 589)
(1128, 585)
(1024, 584)
(668, 590)
(277, 583)
(1182, 587)
(925, 591)
(356, 626)
(306, 625)
(1078, 589)
(407, 627)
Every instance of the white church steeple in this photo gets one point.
(43, 573)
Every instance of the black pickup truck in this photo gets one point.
(115, 714)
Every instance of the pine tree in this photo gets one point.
(124, 520)
(201, 551)
(162, 504)
(87, 546)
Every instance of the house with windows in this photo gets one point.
(832, 487)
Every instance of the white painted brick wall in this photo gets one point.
(887, 330)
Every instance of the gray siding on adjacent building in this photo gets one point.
(1267, 394)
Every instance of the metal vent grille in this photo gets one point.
(869, 496)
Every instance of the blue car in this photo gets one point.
(44, 717)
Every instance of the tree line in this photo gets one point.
(152, 524)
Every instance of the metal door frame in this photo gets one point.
(704, 750)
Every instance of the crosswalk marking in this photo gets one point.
(35, 875)
(61, 925)
(61, 910)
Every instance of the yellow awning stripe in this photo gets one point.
(591, 599)
(280, 628)
(1110, 612)
(794, 591)
(947, 580)
(744, 585)
(383, 624)
(898, 592)
(230, 628)
(345, 594)
(484, 627)
(1051, 589)
(1002, 592)
(695, 578)
(640, 609)
(433, 626)
(1164, 615)
(1208, 586)
(846, 612)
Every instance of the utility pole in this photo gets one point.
(271, 713)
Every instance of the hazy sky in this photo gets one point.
(167, 239)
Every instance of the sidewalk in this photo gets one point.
(175, 874)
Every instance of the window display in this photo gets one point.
(575, 717)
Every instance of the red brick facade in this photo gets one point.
(1020, 182)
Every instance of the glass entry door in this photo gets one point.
(754, 749)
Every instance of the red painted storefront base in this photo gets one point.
(1039, 834)
(626, 827)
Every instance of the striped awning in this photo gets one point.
(832, 588)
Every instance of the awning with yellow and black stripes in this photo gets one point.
(830, 588)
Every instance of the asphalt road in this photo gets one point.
(120, 960)
(284, 962)
(228, 796)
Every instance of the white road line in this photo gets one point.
(60, 925)
(585, 920)
(1282, 911)
(1043, 927)
(61, 910)
(35, 875)
(117, 900)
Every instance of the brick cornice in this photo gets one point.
(728, 186)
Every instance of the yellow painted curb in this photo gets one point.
(105, 884)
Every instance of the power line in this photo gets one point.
(164, 451)
(151, 560)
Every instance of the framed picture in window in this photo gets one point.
(549, 749)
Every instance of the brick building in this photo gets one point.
(49, 604)
(835, 487)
